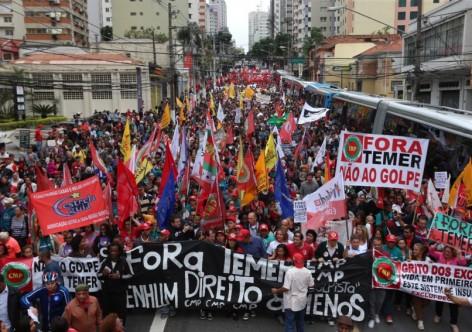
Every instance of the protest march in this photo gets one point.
(224, 203)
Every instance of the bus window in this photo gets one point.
(355, 117)
(446, 151)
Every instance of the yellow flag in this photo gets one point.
(466, 178)
(261, 174)
(126, 142)
(241, 102)
(165, 120)
(231, 91)
(249, 92)
(270, 153)
(212, 105)
(179, 103)
(182, 115)
(143, 169)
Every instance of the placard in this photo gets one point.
(299, 211)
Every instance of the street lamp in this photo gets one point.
(336, 8)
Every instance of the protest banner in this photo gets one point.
(452, 232)
(17, 273)
(342, 227)
(299, 211)
(440, 180)
(196, 274)
(75, 271)
(370, 160)
(420, 278)
(73, 206)
(311, 114)
(327, 203)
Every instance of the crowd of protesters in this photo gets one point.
(396, 226)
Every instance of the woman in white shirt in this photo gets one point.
(280, 238)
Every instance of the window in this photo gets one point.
(401, 3)
(107, 10)
(7, 56)
(43, 95)
(43, 86)
(414, 3)
(128, 85)
(7, 19)
(435, 1)
(108, 19)
(101, 86)
(401, 28)
(72, 86)
(133, 13)
(401, 15)
(189, 16)
(9, 32)
(413, 15)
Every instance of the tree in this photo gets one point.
(106, 33)
(146, 34)
(315, 38)
(7, 108)
(45, 109)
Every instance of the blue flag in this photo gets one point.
(281, 193)
(165, 206)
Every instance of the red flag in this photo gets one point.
(73, 206)
(108, 200)
(184, 185)
(380, 198)
(230, 136)
(214, 209)
(127, 193)
(66, 177)
(169, 166)
(279, 110)
(249, 124)
(42, 181)
(98, 162)
(288, 128)
(461, 199)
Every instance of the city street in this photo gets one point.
(190, 321)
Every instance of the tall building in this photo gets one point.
(348, 22)
(56, 22)
(258, 27)
(147, 14)
(282, 16)
(301, 22)
(197, 12)
(12, 25)
(407, 10)
(216, 16)
(322, 18)
(94, 21)
(106, 13)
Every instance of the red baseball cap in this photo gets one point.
(232, 237)
(298, 260)
(243, 234)
(145, 227)
(263, 227)
(333, 236)
(391, 238)
(165, 232)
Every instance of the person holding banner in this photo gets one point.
(459, 300)
(419, 304)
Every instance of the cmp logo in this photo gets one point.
(385, 272)
(352, 149)
(70, 206)
(16, 274)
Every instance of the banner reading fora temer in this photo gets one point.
(72, 206)
(421, 279)
(452, 232)
(381, 160)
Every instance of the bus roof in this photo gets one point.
(323, 88)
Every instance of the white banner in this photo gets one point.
(311, 114)
(370, 160)
(75, 271)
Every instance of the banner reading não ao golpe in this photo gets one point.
(422, 279)
(381, 160)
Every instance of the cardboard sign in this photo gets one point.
(440, 180)
(299, 212)
(451, 232)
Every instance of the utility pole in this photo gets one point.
(417, 71)
(171, 59)
(154, 47)
(214, 61)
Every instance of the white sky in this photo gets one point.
(237, 14)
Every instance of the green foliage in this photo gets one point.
(146, 34)
(315, 38)
(7, 107)
(45, 109)
(107, 33)
(269, 47)
(29, 123)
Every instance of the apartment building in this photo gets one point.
(216, 16)
(282, 16)
(302, 22)
(407, 10)
(12, 25)
(258, 27)
(323, 18)
(197, 13)
(59, 22)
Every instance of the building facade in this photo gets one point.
(445, 57)
(197, 13)
(301, 22)
(12, 25)
(282, 16)
(323, 18)
(59, 22)
(147, 14)
(85, 82)
(216, 16)
(259, 27)
(407, 10)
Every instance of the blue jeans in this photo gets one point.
(294, 320)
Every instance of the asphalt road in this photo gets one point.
(191, 322)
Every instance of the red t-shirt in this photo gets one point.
(306, 250)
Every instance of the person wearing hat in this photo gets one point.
(7, 214)
(266, 235)
(83, 313)
(395, 253)
(330, 250)
(145, 235)
(297, 280)
(252, 245)
(344, 324)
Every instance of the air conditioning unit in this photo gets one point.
(55, 2)
(55, 31)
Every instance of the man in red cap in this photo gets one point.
(330, 250)
(252, 245)
(266, 235)
(297, 280)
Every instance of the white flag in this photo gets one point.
(220, 115)
(278, 146)
(432, 198)
(320, 156)
(198, 164)
(311, 114)
(175, 144)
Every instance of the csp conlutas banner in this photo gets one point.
(370, 160)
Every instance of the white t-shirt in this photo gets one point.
(273, 245)
(297, 282)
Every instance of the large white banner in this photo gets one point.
(311, 114)
(370, 160)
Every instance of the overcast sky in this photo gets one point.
(237, 13)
